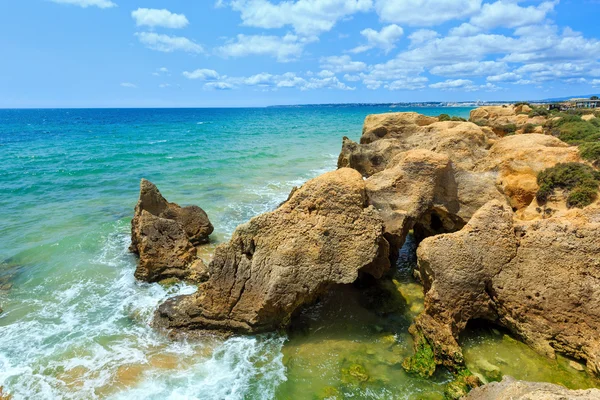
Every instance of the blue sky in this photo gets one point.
(199, 53)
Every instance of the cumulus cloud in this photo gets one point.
(168, 44)
(284, 49)
(384, 39)
(202, 74)
(505, 77)
(307, 17)
(469, 68)
(508, 14)
(465, 85)
(342, 64)
(218, 86)
(87, 3)
(164, 18)
(421, 36)
(129, 85)
(425, 12)
(408, 83)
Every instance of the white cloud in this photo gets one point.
(129, 85)
(469, 68)
(464, 29)
(326, 74)
(465, 85)
(352, 78)
(218, 86)
(425, 12)
(167, 43)
(307, 17)
(164, 85)
(408, 83)
(384, 39)
(202, 74)
(87, 3)
(505, 77)
(342, 64)
(421, 36)
(453, 84)
(508, 14)
(164, 18)
(284, 49)
(596, 83)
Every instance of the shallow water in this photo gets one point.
(76, 324)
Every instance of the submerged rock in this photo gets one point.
(539, 279)
(324, 234)
(509, 388)
(164, 236)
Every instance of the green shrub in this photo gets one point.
(590, 151)
(446, 117)
(529, 128)
(521, 103)
(507, 130)
(579, 180)
(572, 129)
(538, 112)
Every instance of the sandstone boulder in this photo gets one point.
(499, 118)
(519, 159)
(509, 388)
(392, 125)
(324, 234)
(540, 279)
(164, 236)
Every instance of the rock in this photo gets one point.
(519, 159)
(539, 279)
(368, 159)
(588, 117)
(500, 118)
(418, 184)
(279, 261)
(392, 125)
(163, 234)
(576, 366)
(509, 388)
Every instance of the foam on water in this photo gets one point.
(80, 342)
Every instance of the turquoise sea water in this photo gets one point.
(75, 323)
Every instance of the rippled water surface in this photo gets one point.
(75, 322)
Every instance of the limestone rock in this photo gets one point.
(540, 279)
(324, 234)
(519, 159)
(368, 159)
(419, 183)
(392, 125)
(588, 117)
(163, 234)
(509, 388)
(499, 117)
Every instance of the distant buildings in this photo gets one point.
(586, 103)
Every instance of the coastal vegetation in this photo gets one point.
(579, 182)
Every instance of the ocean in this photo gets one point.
(75, 323)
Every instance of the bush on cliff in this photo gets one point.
(574, 130)
(539, 112)
(446, 117)
(591, 151)
(580, 181)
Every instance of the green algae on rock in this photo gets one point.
(422, 363)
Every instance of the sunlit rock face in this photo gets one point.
(324, 234)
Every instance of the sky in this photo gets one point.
(239, 53)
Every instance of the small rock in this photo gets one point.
(577, 366)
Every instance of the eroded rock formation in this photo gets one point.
(324, 234)
(498, 118)
(510, 388)
(540, 279)
(164, 236)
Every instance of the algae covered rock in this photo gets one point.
(325, 234)
(164, 236)
(539, 279)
